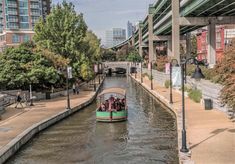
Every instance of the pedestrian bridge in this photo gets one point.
(114, 65)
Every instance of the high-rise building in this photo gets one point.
(119, 35)
(114, 36)
(130, 29)
(109, 38)
(18, 18)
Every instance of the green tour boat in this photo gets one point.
(112, 105)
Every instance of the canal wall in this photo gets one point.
(177, 114)
(12, 147)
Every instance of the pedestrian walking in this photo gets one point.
(77, 88)
(18, 100)
(74, 89)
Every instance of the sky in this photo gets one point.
(102, 15)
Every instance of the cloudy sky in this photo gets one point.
(102, 15)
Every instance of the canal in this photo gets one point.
(149, 135)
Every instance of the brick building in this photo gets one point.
(18, 18)
(224, 36)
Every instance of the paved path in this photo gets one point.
(15, 121)
(210, 134)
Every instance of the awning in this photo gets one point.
(119, 91)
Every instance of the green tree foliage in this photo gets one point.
(89, 54)
(134, 57)
(62, 32)
(61, 40)
(193, 46)
(87, 72)
(21, 67)
(91, 46)
(108, 55)
(65, 33)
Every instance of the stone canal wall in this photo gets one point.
(165, 103)
(12, 147)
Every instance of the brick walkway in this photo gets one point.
(15, 121)
(210, 134)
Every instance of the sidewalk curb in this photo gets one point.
(184, 158)
(12, 147)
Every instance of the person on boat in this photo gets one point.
(103, 107)
(111, 98)
(106, 104)
(123, 102)
(119, 105)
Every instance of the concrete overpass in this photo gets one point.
(172, 20)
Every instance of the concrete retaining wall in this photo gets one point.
(12, 147)
(209, 90)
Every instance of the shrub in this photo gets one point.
(186, 88)
(144, 74)
(150, 77)
(195, 95)
(167, 83)
(226, 75)
(160, 63)
(208, 73)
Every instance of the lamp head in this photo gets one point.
(197, 75)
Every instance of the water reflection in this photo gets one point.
(149, 135)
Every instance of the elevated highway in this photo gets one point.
(172, 20)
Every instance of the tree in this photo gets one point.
(122, 53)
(134, 57)
(224, 72)
(91, 47)
(62, 32)
(21, 66)
(194, 46)
(108, 55)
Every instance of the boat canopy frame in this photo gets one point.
(113, 90)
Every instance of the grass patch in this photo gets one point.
(167, 83)
(195, 95)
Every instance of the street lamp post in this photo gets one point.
(99, 71)
(141, 72)
(151, 74)
(197, 75)
(30, 95)
(96, 70)
(94, 84)
(67, 87)
(171, 64)
(135, 70)
(99, 77)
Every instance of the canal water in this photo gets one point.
(149, 135)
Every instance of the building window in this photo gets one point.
(24, 19)
(23, 4)
(23, 11)
(15, 38)
(218, 40)
(12, 18)
(12, 25)
(26, 38)
(35, 19)
(24, 25)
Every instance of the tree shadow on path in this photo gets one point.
(214, 133)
